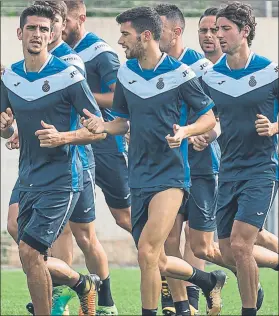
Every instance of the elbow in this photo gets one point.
(103, 136)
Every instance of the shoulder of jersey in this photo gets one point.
(169, 75)
(56, 76)
(260, 72)
(196, 61)
(67, 54)
(92, 46)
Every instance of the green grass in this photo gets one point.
(125, 287)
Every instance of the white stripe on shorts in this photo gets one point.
(271, 200)
(93, 185)
(68, 209)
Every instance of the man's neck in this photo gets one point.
(238, 60)
(54, 44)
(177, 50)
(213, 57)
(79, 37)
(33, 63)
(151, 58)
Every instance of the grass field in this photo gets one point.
(125, 287)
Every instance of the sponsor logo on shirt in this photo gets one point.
(16, 84)
(185, 73)
(72, 74)
(46, 86)
(100, 46)
(133, 81)
(160, 84)
(221, 82)
(204, 65)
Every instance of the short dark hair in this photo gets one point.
(59, 7)
(212, 11)
(74, 4)
(172, 13)
(36, 10)
(142, 18)
(240, 14)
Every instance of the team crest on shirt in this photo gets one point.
(46, 86)
(160, 84)
(252, 81)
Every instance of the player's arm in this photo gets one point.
(79, 96)
(106, 65)
(118, 126)
(7, 117)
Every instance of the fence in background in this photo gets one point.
(112, 7)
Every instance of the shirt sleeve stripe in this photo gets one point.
(206, 109)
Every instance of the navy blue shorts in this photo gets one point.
(15, 194)
(112, 178)
(139, 208)
(84, 211)
(248, 201)
(43, 215)
(200, 209)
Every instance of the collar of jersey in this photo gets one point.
(190, 56)
(52, 65)
(165, 64)
(87, 40)
(254, 64)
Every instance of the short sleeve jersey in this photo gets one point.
(55, 94)
(239, 96)
(204, 162)
(154, 100)
(101, 64)
(66, 53)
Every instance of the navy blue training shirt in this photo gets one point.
(101, 64)
(154, 100)
(66, 53)
(55, 94)
(204, 162)
(239, 95)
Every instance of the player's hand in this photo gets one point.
(200, 142)
(7, 119)
(263, 126)
(49, 136)
(94, 123)
(13, 141)
(179, 135)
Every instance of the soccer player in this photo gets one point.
(212, 50)
(244, 87)
(152, 91)
(38, 90)
(102, 64)
(82, 219)
(200, 209)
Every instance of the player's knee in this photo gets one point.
(12, 228)
(84, 241)
(240, 249)
(28, 255)
(163, 264)
(202, 250)
(148, 257)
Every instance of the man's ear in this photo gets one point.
(19, 33)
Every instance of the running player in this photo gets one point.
(245, 88)
(49, 189)
(152, 90)
(200, 208)
(82, 219)
(102, 64)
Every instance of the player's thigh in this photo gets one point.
(226, 208)
(202, 203)
(112, 178)
(162, 211)
(46, 216)
(200, 241)
(255, 199)
(84, 211)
